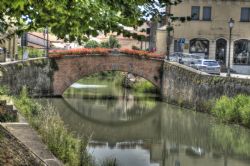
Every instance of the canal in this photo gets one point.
(137, 129)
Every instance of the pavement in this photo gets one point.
(236, 75)
(30, 138)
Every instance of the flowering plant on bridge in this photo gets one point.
(141, 53)
(78, 51)
(101, 51)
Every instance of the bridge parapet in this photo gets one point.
(35, 74)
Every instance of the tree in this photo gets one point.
(158, 12)
(75, 19)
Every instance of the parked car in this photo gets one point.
(184, 58)
(206, 65)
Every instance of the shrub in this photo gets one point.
(135, 48)
(92, 44)
(245, 114)
(111, 43)
(224, 109)
(221, 107)
(68, 148)
(144, 86)
(4, 90)
(235, 109)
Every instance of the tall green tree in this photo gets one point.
(76, 19)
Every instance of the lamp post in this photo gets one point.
(231, 25)
(168, 37)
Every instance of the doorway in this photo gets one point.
(221, 51)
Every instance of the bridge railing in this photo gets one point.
(102, 51)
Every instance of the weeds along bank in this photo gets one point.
(66, 146)
(63, 144)
(233, 110)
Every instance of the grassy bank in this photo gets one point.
(144, 86)
(65, 145)
(233, 110)
(69, 149)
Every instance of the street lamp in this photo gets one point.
(231, 25)
(168, 36)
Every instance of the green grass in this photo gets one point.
(66, 146)
(144, 86)
(235, 110)
(4, 91)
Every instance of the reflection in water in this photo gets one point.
(138, 130)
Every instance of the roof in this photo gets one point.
(52, 37)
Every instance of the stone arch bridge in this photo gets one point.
(177, 83)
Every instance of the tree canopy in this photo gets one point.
(77, 19)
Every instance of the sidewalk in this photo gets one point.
(236, 75)
(30, 138)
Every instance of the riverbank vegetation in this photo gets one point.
(65, 145)
(233, 110)
(144, 86)
(69, 149)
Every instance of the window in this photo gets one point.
(242, 52)
(195, 13)
(211, 63)
(178, 46)
(207, 13)
(199, 46)
(245, 14)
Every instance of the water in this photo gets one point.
(138, 130)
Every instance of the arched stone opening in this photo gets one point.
(221, 51)
(74, 68)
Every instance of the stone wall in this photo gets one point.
(194, 89)
(35, 74)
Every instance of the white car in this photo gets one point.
(206, 65)
(184, 58)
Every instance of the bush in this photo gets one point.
(33, 52)
(135, 48)
(144, 86)
(92, 44)
(111, 43)
(68, 148)
(245, 114)
(235, 109)
(4, 90)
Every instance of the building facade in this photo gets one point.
(208, 31)
(8, 48)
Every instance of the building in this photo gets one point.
(8, 48)
(208, 31)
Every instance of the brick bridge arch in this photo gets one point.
(72, 68)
